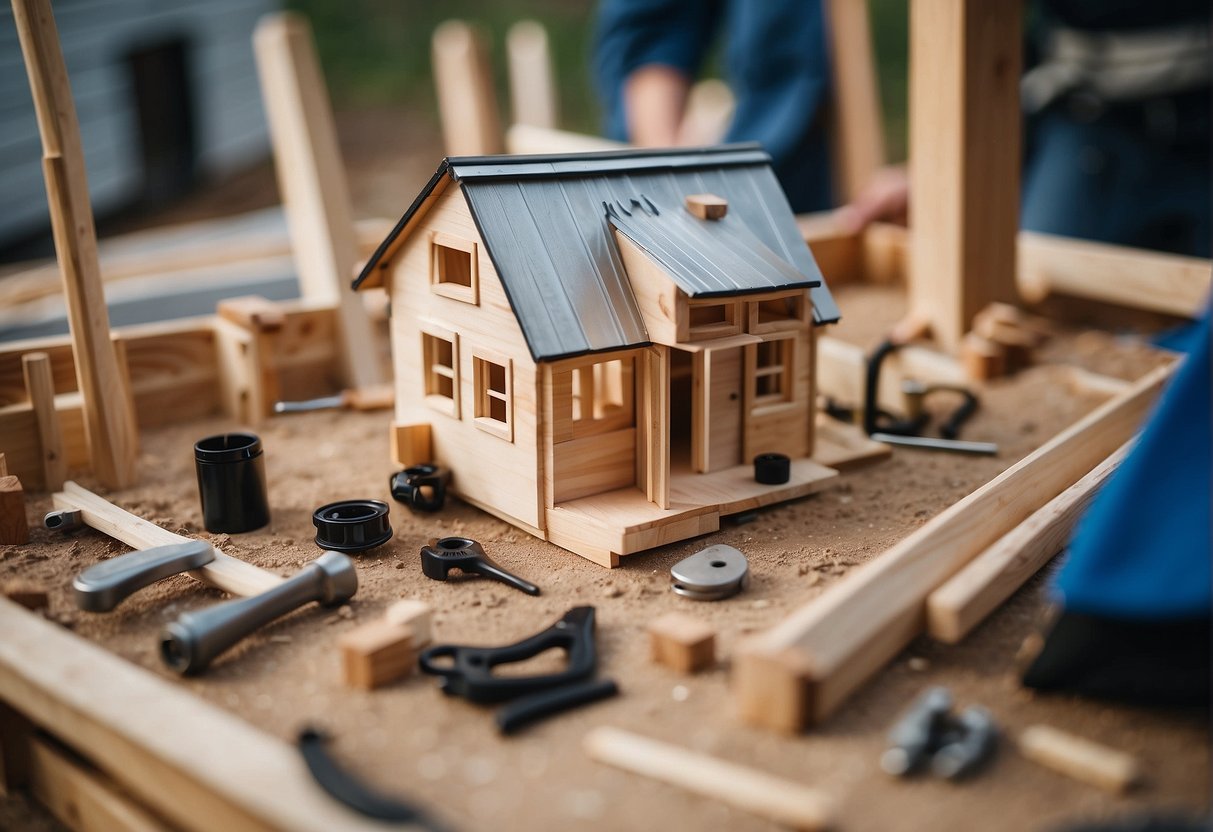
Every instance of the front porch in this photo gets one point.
(606, 526)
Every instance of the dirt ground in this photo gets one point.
(445, 753)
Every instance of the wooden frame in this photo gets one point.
(441, 244)
(487, 398)
(435, 368)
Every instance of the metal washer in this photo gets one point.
(713, 574)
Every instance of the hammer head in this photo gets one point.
(340, 580)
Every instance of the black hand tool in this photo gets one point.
(529, 709)
(103, 586)
(465, 554)
(916, 735)
(970, 743)
(190, 643)
(421, 487)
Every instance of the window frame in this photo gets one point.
(455, 291)
(484, 394)
(783, 369)
(450, 405)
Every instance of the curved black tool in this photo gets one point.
(342, 787)
(352, 526)
(470, 671)
(421, 487)
(465, 554)
(876, 420)
(522, 712)
(105, 585)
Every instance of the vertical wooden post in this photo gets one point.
(40, 385)
(858, 139)
(532, 88)
(112, 437)
(314, 190)
(656, 410)
(965, 58)
(467, 103)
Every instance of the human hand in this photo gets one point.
(885, 197)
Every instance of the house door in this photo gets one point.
(717, 422)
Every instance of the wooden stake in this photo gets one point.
(191, 762)
(40, 384)
(964, 158)
(985, 582)
(107, 420)
(800, 671)
(312, 180)
(750, 790)
(467, 103)
(1106, 768)
(532, 89)
(226, 572)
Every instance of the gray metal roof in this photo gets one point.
(545, 224)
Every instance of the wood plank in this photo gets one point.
(113, 439)
(532, 87)
(225, 572)
(594, 464)
(836, 250)
(827, 648)
(314, 190)
(527, 138)
(969, 596)
(843, 447)
(467, 103)
(965, 58)
(210, 771)
(858, 135)
(41, 386)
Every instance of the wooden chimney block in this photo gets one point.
(707, 206)
(982, 358)
(682, 642)
(416, 616)
(13, 529)
(377, 653)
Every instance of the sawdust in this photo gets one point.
(445, 753)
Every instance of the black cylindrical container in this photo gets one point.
(231, 482)
(772, 469)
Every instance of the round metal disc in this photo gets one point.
(712, 574)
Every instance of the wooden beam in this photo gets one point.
(527, 138)
(225, 572)
(858, 126)
(313, 185)
(985, 582)
(40, 385)
(532, 88)
(467, 103)
(187, 760)
(1131, 277)
(113, 439)
(964, 158)
(801, 670)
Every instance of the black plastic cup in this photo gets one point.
(772, 469)
(231, 482)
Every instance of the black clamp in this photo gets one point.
(421, 487)
(466, 555)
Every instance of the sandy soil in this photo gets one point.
(445, 753)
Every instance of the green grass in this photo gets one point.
(377, 52)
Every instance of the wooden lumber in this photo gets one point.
(527, 138)
(225, 572)
(801, 670)
(845, 446)
(113, 439)
(682, 642)
(532, 87)
(467, 104)
(837, 251)
(964, 601)
(14, 530)
(965, 58)
(748, 789)
(312, 180)
(188, 761)
(1150, 280)
(1091, 762)
(82, 798)
(858, 136)
(411, 444)
(40, 386)
(377, 654)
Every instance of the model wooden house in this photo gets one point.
(597, 345)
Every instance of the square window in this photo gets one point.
(440, 365)
(453, 268)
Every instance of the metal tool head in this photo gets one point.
(103, 586)
(63, 520)
(717, 572)
(341, 578)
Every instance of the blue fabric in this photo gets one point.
(776, 62)
(1143, 549)
(1104, 180)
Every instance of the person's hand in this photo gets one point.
(885, 197)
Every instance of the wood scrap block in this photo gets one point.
(13, 528)
(982, 358)
(1101, 766)
(682, 642)
(416, 616)
(29, 595)
(252, 312)
(377, 653)
(707, 206)
(1017, 342)
(3, 466)
(411, 444)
